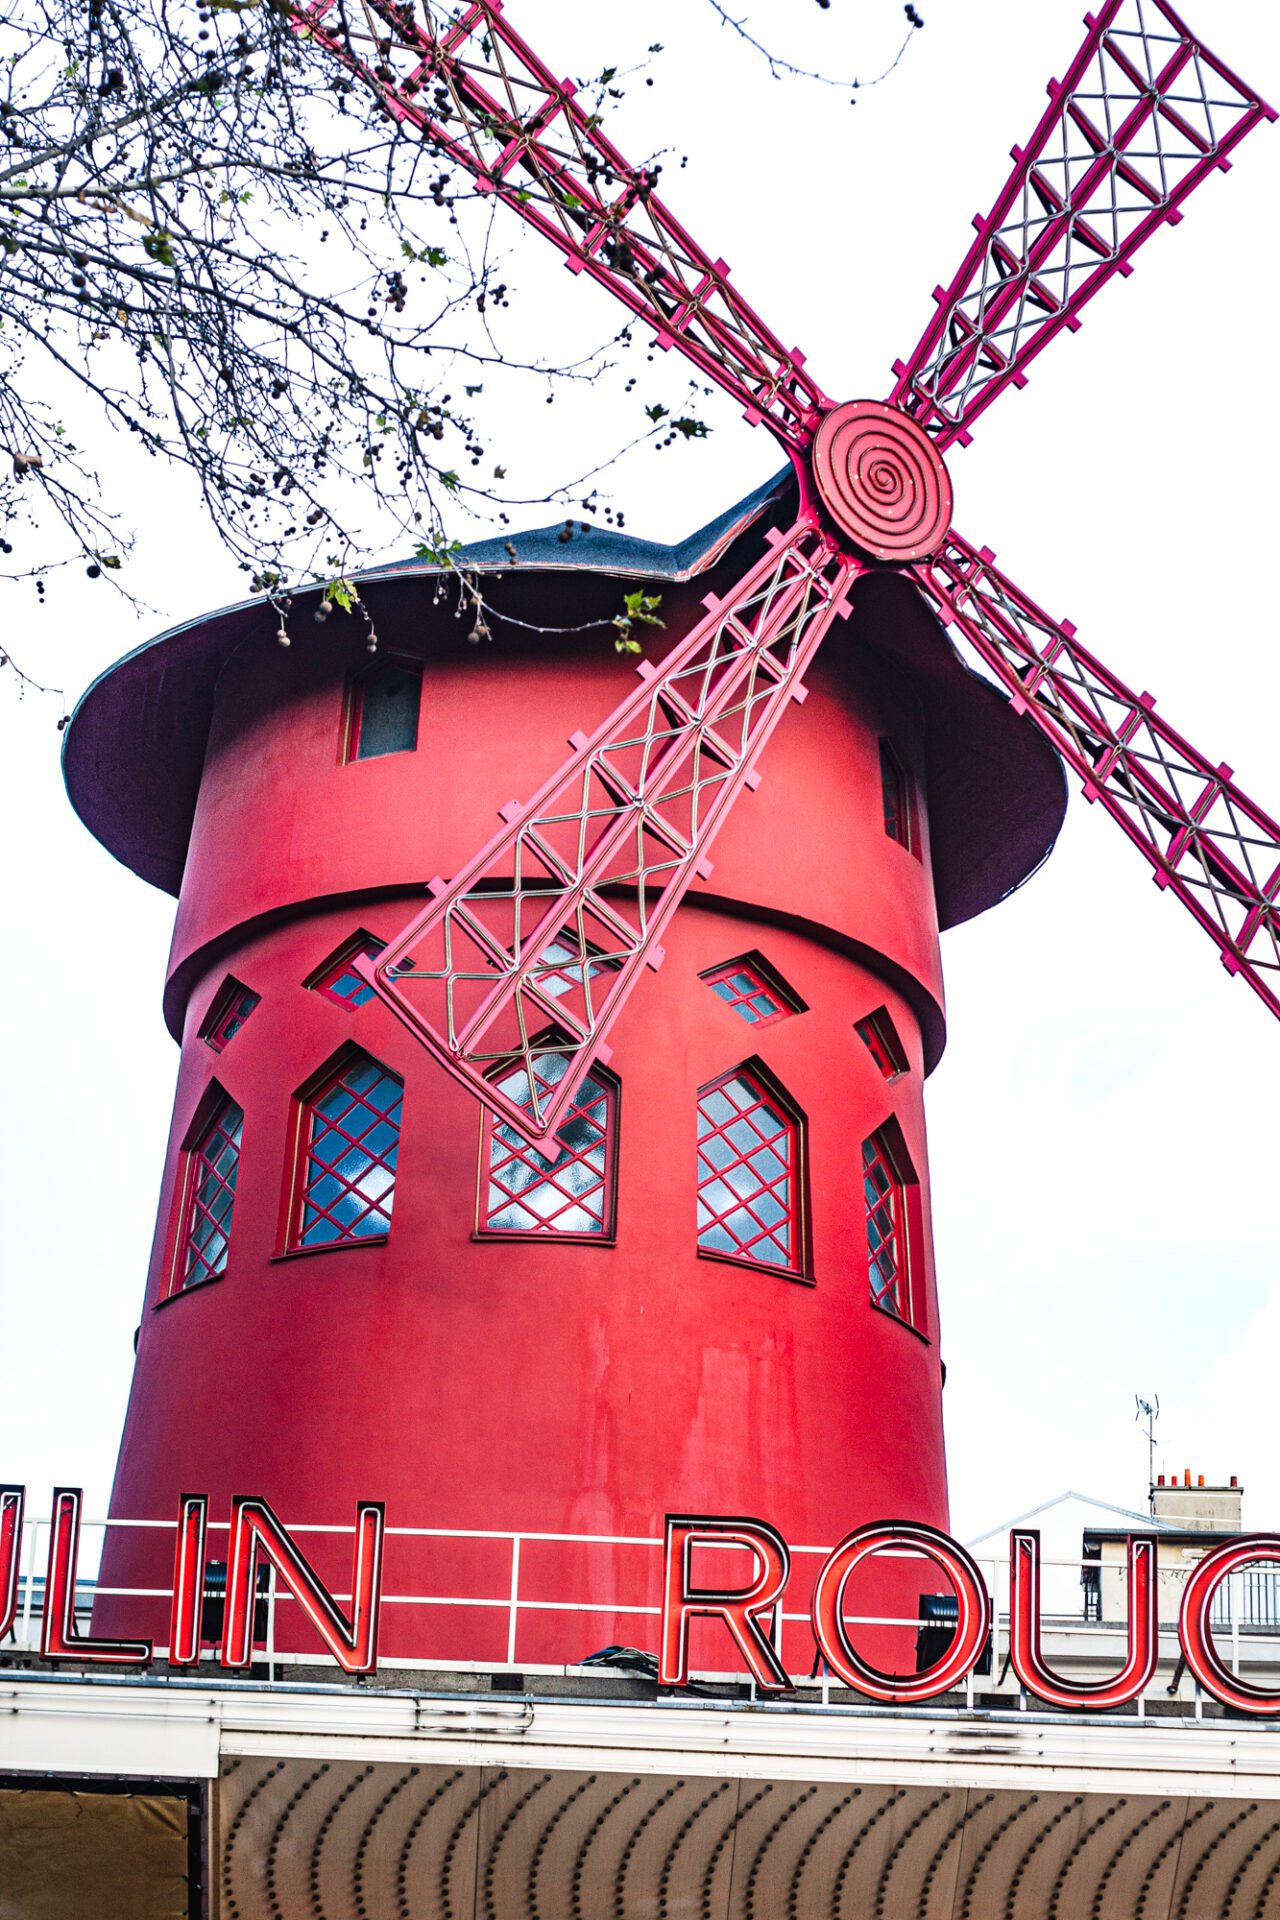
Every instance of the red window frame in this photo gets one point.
(898, 799)
(741, 983)
(328, 977)
(354, 1104)
(894, 1227)
(880, 1037)
(206, 1193)
(353, 710)
(588, 1140)
(228, 1011)
(745, 1120)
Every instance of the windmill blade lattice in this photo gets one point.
(537, 942)
(535, 946)
(1207, 842)
(1143, 116)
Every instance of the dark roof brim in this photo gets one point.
(134, 749)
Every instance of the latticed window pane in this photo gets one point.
(896, 795)
(747, 1172)
(742, 986)
(352, 1140)
(211, 1175)
(338, 979)
(886, 1232)
(568, 1192)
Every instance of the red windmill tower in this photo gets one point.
(693, 1272)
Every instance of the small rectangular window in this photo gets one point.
(880, 1036)
(231, 1007)
(898, 799)
(383, 716)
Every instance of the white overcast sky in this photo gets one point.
(1102, 1143)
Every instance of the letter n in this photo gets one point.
(255, 1530)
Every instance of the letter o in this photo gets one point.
(1196, 1634)
(972, 1626)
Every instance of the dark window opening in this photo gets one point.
(880, 1037)
(231, 1007)
(897, 798)
(384, 710)
(748, 1173)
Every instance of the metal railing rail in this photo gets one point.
(1246, 1606)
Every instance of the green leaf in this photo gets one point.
(158, 246)
(643, 607)
(342, 593)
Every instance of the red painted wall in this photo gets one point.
(525, 1384)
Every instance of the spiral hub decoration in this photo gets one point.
(882, 480)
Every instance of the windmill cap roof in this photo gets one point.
(133, 751)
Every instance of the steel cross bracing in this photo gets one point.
(1205, 839)
(535, 945)
(482, 97)
(1144, 114)
(595, 865)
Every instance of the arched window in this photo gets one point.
(212, 1161)
(749, 1172)
(569, 1192)
(894, 1225)
(382, 710)
(348, 1139)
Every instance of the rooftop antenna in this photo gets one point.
(1151, 1408)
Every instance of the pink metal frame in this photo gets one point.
(1143, 115)
(601, 856)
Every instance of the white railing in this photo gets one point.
(1243, 1610)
